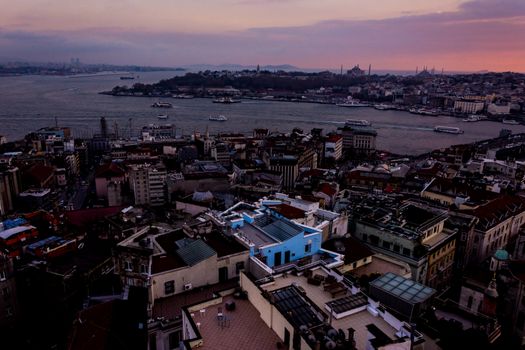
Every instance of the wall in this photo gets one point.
(201, 274)
(231, 261)
(466, 293)
(296, 246)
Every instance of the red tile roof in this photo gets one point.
(327, 189)
(497, 210)
(289, 212)
(109, 170)
(40, 173)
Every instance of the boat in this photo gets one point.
(225, 100)
(424, 111)
(383, 107)
(218, 118)
(510, 121)
(127, 77)
(357, 122)
(448, 129)
(162, 117)
(183, 96)
(353, 104)
(472, 118)
(162, 105)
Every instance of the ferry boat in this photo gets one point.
(162, 105)
(448, 129)
(473, 118)
(383, 107)
(424, 111)
(357, 122)
(218, 118)
(353, 104)
(183, 96)
(510, 122)
(162, 117)
(226, 100)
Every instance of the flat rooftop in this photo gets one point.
(358, 321)
(243, 328)
(316, 294)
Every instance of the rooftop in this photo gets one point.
(243, 328)
(278, 229)
(403, 288)
(349, 310)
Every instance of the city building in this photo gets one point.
(148, 183)
(288, 166)
(169, 261)
(468, 106)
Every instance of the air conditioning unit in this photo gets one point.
(188, 286)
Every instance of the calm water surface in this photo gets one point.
(31, 102)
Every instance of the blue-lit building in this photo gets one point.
(272, 238)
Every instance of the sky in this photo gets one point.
(457, 35)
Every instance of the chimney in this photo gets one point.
(351, 332)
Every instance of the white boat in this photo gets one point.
(383, 107)
(353, 104)
(472, 118)
(162, 117)
(218, 118)
(510, 122)
(357, 122)
(162, 105)
(448, 129)
(226, 100)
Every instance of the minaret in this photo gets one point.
(417, 69)
(369, 69)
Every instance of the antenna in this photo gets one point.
(56, 122)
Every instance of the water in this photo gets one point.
(31, 102)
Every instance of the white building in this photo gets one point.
(148, 184)
(468, 106)
(333, 147)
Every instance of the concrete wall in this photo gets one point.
(296, 246)
(201, 274)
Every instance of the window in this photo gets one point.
(9, 311)
(174, 340)
(354, 265)
(144, 269)
(2, 275)
(521, 320)
(396, 248)
(308, 248)
(128, 266)
(470, 300)
(365, 237)
(386, 244)
(239, 266)
(6, 293)
(406, 251)
(169, 287)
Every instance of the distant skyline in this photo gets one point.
(457, 35)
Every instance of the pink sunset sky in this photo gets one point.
(459, 35)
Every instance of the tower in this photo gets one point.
(103, 127)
